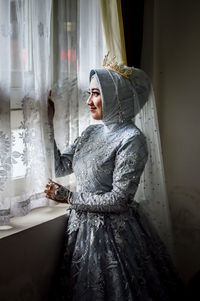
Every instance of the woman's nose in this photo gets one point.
(89, 100)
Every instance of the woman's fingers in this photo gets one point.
(49, 195)
(50, 191)
(47, 191)
(51, 186)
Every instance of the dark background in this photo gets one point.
(133, 13)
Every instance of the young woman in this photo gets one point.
(111, 253)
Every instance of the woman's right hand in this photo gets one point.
(51, 107)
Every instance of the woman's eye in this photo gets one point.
(96, 94)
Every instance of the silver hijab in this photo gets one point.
(122, 98)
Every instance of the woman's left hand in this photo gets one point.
(50, 191)
(57, 192)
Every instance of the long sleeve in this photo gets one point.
(129, 164)
(63, 162)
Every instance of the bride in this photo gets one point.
(111, 251)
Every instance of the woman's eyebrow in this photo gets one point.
(93, 90)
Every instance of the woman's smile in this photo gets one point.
(92, 108)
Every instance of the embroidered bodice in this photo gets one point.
(108, 162)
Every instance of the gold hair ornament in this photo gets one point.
(121, 69)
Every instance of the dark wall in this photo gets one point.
(132, 12)
(28, 261)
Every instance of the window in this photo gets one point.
(21, 66)
(18, 146)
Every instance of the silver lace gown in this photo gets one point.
(111, 252)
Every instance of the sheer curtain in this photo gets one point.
(24, 81)
(44, 45)
(79, 48)
(113, 28)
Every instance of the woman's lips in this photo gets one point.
(92, 109)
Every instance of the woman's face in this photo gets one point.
(95, 101)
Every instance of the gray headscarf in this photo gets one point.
(122, 98)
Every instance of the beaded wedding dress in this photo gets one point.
(112, 252)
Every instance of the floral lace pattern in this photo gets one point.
(5, 162)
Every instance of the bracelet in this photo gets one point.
(69, 197)
(62, 194)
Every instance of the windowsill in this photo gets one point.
(33, 218)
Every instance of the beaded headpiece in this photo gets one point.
(113, 65)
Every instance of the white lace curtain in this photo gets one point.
(49, 44)
(44, 45)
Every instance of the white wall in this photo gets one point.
(172, 50)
